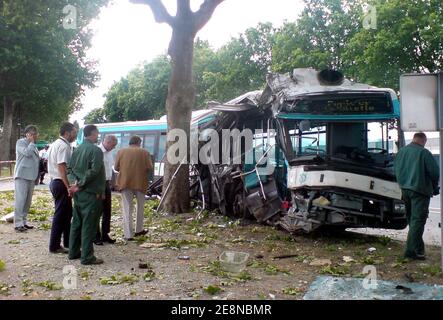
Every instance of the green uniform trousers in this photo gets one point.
(417, 209)
(86, 215)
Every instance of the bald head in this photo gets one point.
(420, 138)
(109, 142)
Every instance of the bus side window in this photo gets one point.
(161, 147)
(149, 143)
(118, 146)
(125, 140)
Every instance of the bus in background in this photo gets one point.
(152, 132)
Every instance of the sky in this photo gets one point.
(126, 35)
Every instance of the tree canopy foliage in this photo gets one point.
(43, 63)
(404, 36)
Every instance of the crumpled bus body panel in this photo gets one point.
(330, 143)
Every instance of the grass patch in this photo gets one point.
(291, 291)
(335, 270)
(7, 196)
(432, 270)
(2, 265)
(119, 279)
(150, 207)
(13, 242)
(8, 210)
(49, 285)
(279, 237)
(212, 290)
(372, 260)
(196, 243)
(44, 226)
(149, 275)
(384, 240)
(268, 268)
(273, 270)
(5, 289)
(84, 275)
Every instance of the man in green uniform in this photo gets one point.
(417, 174)
(86, 174)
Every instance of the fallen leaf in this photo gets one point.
(320, 262)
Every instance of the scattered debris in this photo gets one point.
(405, 290)
(321, 201)
(143, 265)
(233, 261)
(259, 256)
(409, 277)
(184, 257)
(320, 262)
(8, 218)
(348, 259)
(372, 249)
(153, 245)
(285, 256)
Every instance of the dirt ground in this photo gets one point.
(155, 266)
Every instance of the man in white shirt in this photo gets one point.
(108, 144)
(59, 155)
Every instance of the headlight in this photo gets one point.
(399, 207)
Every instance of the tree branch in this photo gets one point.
(160, 12)
(205, 12)
(183, 8)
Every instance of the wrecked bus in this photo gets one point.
(330, 142)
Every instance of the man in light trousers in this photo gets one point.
(25, 176)
(133, 164)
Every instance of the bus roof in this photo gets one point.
(198, 117)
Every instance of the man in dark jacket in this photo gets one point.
(417, 174)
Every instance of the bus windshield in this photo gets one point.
(368, 142)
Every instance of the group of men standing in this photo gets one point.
(83, 175)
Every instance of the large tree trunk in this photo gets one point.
(181, 91)
(179, 103)
(15, 130)
(8, 114)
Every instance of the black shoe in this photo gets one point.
(75, 257)
(98, 242)
(20, 229)
(141, 233)
(416, 257)
(109, 240)
(96, 261)
(60, 250)
(29, 227)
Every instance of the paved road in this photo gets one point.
(431, 236)
(432, 230)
